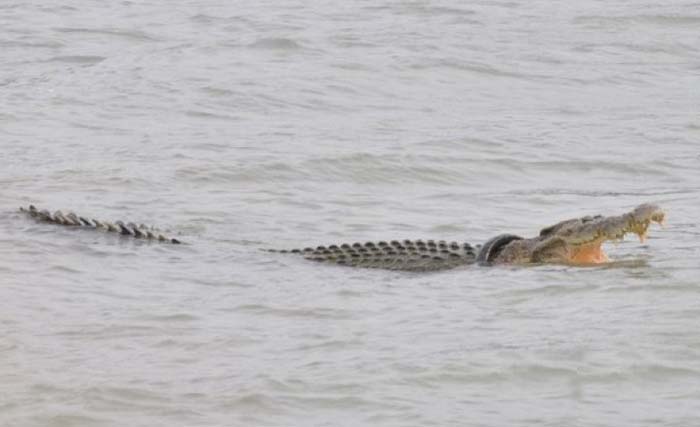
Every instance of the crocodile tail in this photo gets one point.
(405, 255)
(72, 220)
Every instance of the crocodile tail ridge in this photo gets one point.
(70, 219)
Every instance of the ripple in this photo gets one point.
(356, 403)
(473, 67)
(281, 44)
(662, 20)
(361, 168)
(108, 332)
(64, 269)
(311, 313)
(547, 290)
(39, 45)
(210, 115)
(169, 318)
(117, 33)
(69, 420)
(79, 59)
(641, 192)
(254, 403)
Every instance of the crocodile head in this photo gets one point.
(579, 241)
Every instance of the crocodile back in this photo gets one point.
(406, 255)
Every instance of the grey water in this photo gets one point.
(237, 126)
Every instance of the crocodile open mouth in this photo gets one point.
(610, 229)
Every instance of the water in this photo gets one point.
(245, 125)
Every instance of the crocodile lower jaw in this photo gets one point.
(592, 253)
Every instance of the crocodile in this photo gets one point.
(575, 241)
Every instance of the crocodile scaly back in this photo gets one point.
(406, 255)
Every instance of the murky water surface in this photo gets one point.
(245, 125)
